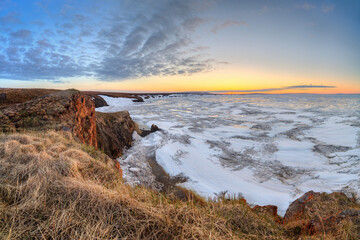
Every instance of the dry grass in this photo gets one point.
(20, 95)
(52, 187)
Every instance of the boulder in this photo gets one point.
(154, 128)
(138, 99)
(296, 210)
(145, 132)
(318, 213)
(114, 132)
(99, 101)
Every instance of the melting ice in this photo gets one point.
(269, 148)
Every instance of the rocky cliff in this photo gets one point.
(114, 132)
(70, 110)
(64, 110)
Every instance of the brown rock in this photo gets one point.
(328, 224)
(114, 132)
(145, 132)
(296, 209)
(99, 101)
(318, 213)
(84, 122)
(138, 99)
(154, 128)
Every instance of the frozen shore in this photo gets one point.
(271, 149)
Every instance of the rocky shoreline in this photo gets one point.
(74, 111)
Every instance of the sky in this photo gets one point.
(224, 46)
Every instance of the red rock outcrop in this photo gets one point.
(84, 120)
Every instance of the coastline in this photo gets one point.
(170, 187)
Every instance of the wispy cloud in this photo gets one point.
(150, 39)
(324, 8)
(306, 6)
(327, 8)
(10, 19)
(158, 44)
(227, 24)
(300, 87)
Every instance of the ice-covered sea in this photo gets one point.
(269, 148)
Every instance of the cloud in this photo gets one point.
(309, 86)
(38, 22)
(6, 4)
(327, 8)
(38, 62)
(193, 23)
(227, 24)
(111, 42)
(23, 33)
(158, 44)
(323, 8)
(20, 37)
(11, 19)
(306, 6)
(302, 87)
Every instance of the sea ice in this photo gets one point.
(269, 148)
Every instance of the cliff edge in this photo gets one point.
(64, 110)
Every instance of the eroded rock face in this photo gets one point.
(114, 132)
(85, 122)
(64, 110)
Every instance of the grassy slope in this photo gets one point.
(54, 187)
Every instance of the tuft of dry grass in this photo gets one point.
(52, 187)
